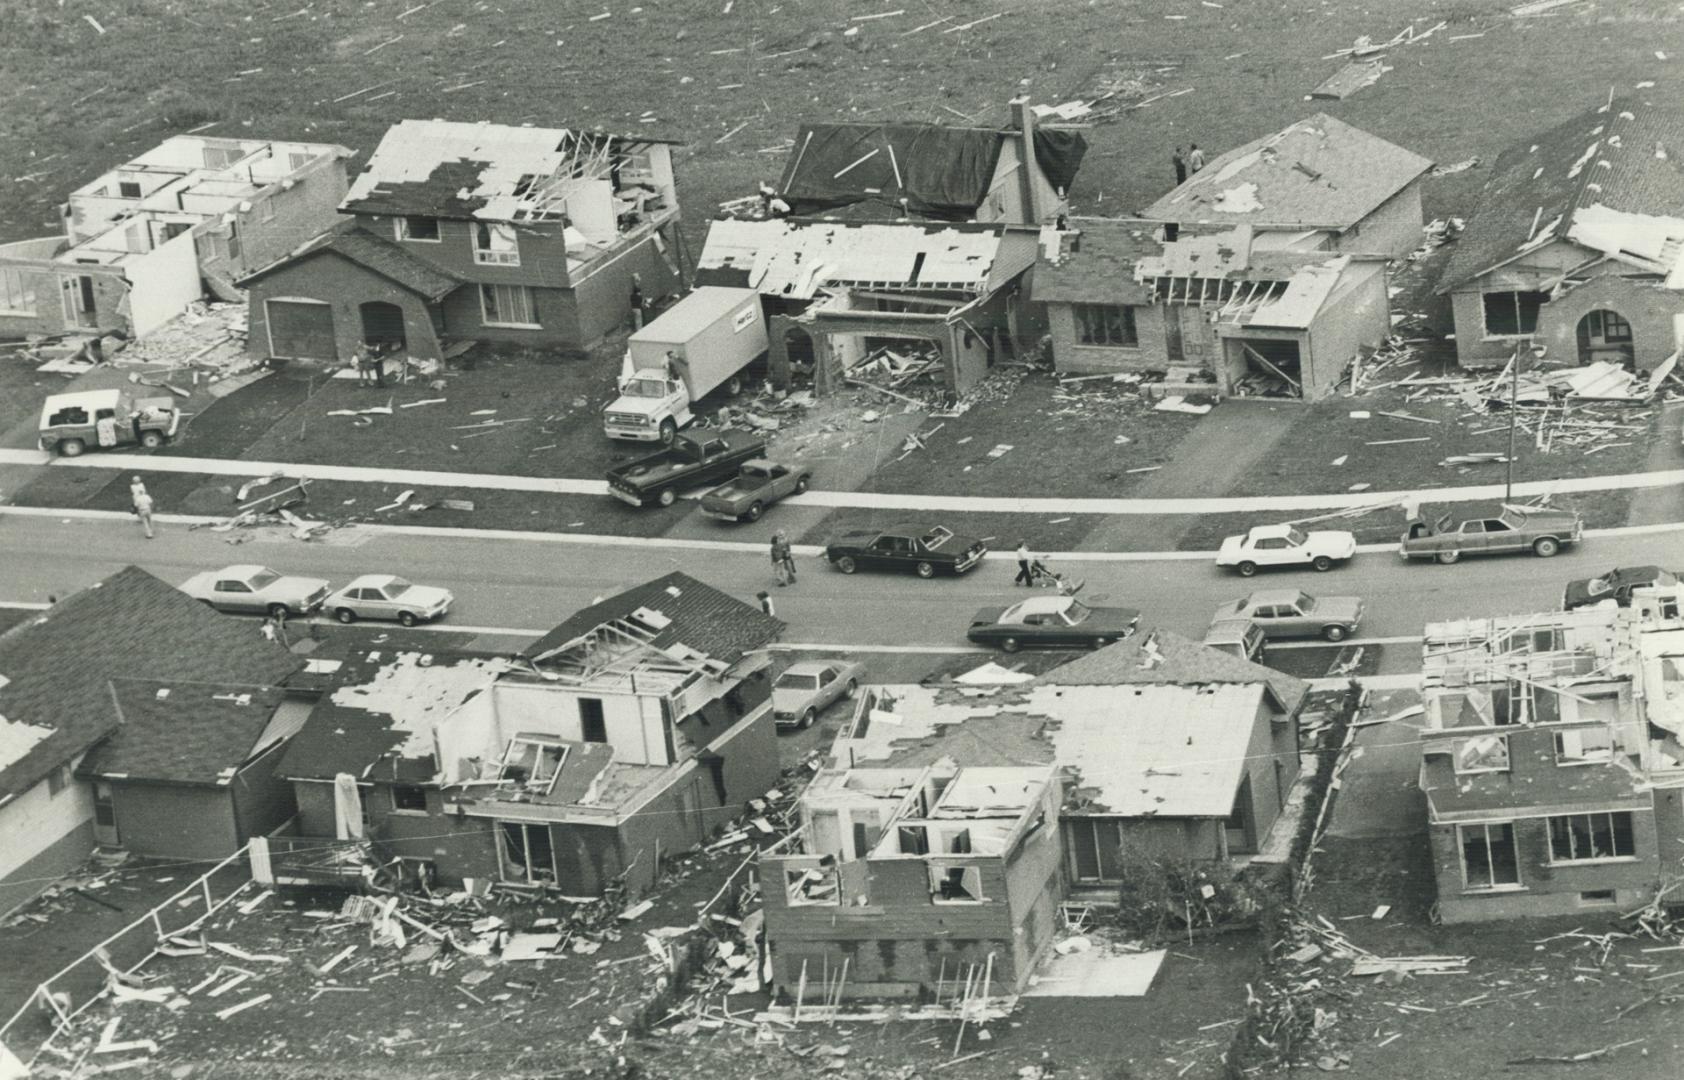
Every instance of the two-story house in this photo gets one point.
(626, 734)
(152, 235)
(1550, 758)
(478, 232)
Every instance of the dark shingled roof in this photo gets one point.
(58, 666)
(1627, 156)
(1097, 267)
(372, 253)
(703, 618)
(195, 733)
(1181, 661)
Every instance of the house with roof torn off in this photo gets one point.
(1316, 185)
(1552, 758)
(146, 239)
(1120, 296)
(628, 733)
(465, 232)
(1577, 243)
(79, 703)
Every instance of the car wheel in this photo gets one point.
(1322, 564)
(850, 690)
(669, 432)
(1101, 642)
(754, 512)
(279, 611)
(926, 570)
(345, 615)
(407, 618)
(801, 483)
(1334, 633)
(807, 719)
(208, 604)
(734, 385)
(667, 497)
(72, 447)
(1448, 557)
(1546, 547)
(846, 564)
(1247, 569)
(151, 439)
(1008, 644)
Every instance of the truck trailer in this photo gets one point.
(699, 344)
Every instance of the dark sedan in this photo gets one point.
(924, 550)
(1056, 621)
(1616, 585)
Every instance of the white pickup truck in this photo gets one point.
(702, 342)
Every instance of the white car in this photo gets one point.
(807, 688)
(1285, 545)
(256, 590)
(384, 596)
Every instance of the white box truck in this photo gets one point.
(702, 342)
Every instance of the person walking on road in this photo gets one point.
(1195, 158)
(142, 504)
(1180, 161)
(783, 559)
(1024, 558)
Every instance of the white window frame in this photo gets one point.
(1516, 885)
(496, 256)
(266, 208)
(10, 297)
(939, 871)
(1556, 860)
(531, 307)
(540, 743)
(1599, 757)
(400, 230)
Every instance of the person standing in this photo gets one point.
(1024, 576)
(1180, 161)
(359, 360)
(637, 302)
(783, 559)
(1195, 158)
(142, 501)
(377, 365)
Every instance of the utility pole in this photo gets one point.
(1514, 422)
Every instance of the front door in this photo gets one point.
(78, 296)
(1172, 335)
(105, 816)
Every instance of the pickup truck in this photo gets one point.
(747, 495)
(689, 462)
(1539, 530)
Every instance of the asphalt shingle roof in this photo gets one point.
(1097, 267)
(702, 618)
(1627, 156)
(182, 732)
(373, 253)
(55, 700)
(1177, 660)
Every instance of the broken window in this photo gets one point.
(409, 798)
(914, 840)
(1584, 746)
(128, 189)
(1532, 641)
(527, 855)
(534, 762)
(1105, 324)
(959, 843)
(420, 229)
(17, 295)
(508, 305)
(1508, 314)
(1488, 859)
(955, 884)
(495, 244)
(1466, 708)
(1486, 753)
(1584, 837)
(220, 157)
(593, 726)
(813, 886)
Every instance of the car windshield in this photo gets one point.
(936, 537)
(1512, 519)
(1077, 612)
(791, 681)
(1296, 537)
(1306, 604)
(396, 588)
(649, 388)
(262, 580)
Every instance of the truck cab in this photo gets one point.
(105, 420)
(699, 344)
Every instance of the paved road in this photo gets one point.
(516, 583)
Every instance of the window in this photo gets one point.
(1488, 860)
(58, 779)
(128, 189)
(1533, 641)
(1597, 898)
(811, 887)
(1105, 324)
(507, 305)
(17, 292)
(914, 840)
(1584, 746)
(220, 157)
(296, 160)
(409, 799)
(593, 726)
(495, 244)
(1610, 328)
(1485, 753)
(1588, 837)
(418, 229)
(534, 761)
(1509, 314)
(955, 884)
(266, 209)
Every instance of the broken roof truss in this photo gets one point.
(624, 649)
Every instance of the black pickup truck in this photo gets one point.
(689, 462)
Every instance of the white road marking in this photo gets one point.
(25, 605)
(1273, 645)
(933, 650)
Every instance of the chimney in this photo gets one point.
(1023, 118)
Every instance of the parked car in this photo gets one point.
(925, 550)
(1057, 621)
(1615, 585)
(1286, 545)
(1283, 613)
(385, 596)
(757, 485)
(105, 420)
(809, 687)
(257, 590)
(1236, 637)
(1541, 530)
(687, 463)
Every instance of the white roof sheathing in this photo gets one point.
(1306, 291)
(417, 693)
(796, 259)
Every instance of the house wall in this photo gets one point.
(42, 836)
(1533, 778)
(555, 309)
(52, 281)
(263, 802)
(314, 799)
(1392, 229)
(1536, 270)
(165, 280)
(307, 209)
(170, 821)
(1271, 764)
(633, 722)
(457, 845)
(543, 253)
(1357, 315)
(1035, 886)
(602, 290)
(1648, 306)
(345, 286)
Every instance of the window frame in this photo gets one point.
(1514, 849)
(798, 880)
(1590, 819)
(25, 291)
(60, 778)
(1456, 755)
(1565, 761)
(401, 224)
(941, 870)
(493, 256)
(1106, 326)
(1520, 330)
(409, 811)
(531, 306)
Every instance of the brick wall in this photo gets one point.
(1537, 270)
(307, 210)
(1648, 306)
(345, 286)
(543, 254)
(262, 801)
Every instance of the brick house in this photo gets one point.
(1121, 297)
(1318, 185)
(1575, 244)
(1551, 758)
(149, 237)
(630, 731)
(478, 232)
(60, 700)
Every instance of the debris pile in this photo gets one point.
(208, 341)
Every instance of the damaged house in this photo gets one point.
(1316, 185)
(193, 214)
(1121, 297)
(91, 753)
(1552, 760)
(465, 232)
(1577, 243)
(628, 733)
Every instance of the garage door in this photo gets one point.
(299, 330)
